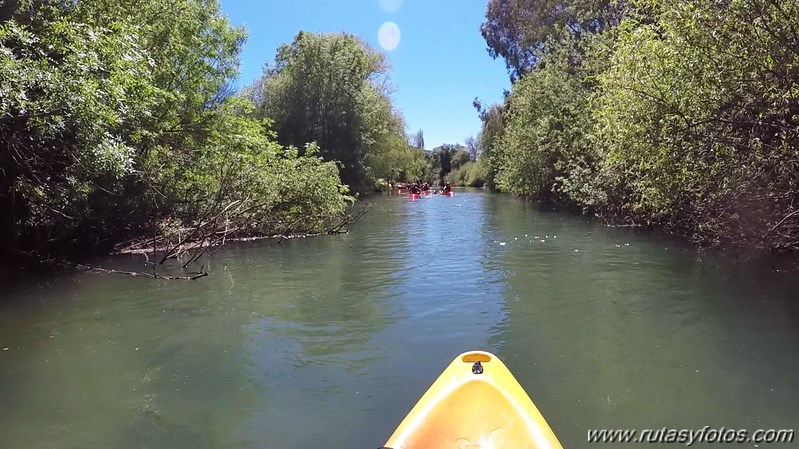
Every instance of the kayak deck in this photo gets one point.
(475, 403)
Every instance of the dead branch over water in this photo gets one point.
(188, 245)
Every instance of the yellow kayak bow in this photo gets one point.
(475, 403)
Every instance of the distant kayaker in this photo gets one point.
(447, 188)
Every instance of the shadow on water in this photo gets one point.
(330, 341)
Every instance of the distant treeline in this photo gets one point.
(680, 115)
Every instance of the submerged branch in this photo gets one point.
(94, 269)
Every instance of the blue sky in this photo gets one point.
(438, 68)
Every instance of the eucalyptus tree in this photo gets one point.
(522, 31)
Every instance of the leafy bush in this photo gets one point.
(115, 116)
(470, 174)
(699, 116)
(682, 115)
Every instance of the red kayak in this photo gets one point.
(413, 196)
(447, 193)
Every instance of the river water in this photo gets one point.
(329, 341)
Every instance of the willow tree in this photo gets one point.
(75, 96)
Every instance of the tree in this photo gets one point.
(490, 133)
(545, 148)
(75, 96)
(521, 31)
(472, 148)
(117, 119)
(460, 157)
(448, 157)
(331, 89)
(417, 140)
(471, 174)
(701, 123)
(681, 115)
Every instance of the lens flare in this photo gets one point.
(390, 5)
(389, 36)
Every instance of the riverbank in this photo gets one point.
(786, 262)
(175, 258)
(646, 119)
(148, 140)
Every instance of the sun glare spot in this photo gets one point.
(390, 5)
(389, 36)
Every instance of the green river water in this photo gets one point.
(328, 342)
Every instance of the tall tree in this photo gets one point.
(448, 157)
(490, 133)
(472, 148)
(417, 139)
(330, 89)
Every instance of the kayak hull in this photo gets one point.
(464, 409)
(413, 196)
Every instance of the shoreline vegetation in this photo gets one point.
(680, 116)
(122, 132)
(119, 124)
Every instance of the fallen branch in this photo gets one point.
(783, 221)
(351, 219)
(209, 234)
(93, 269)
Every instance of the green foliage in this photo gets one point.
(73, 95)
(117, 115)
(490, 134)
(523, 31)
(470, 174)
(545, 149)
(699, 115)
(257, 185)
(332, 89)
(446, 158)
(460, 157)
(685, 115)
(418, 166)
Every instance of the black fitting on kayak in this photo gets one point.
(477, 368)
